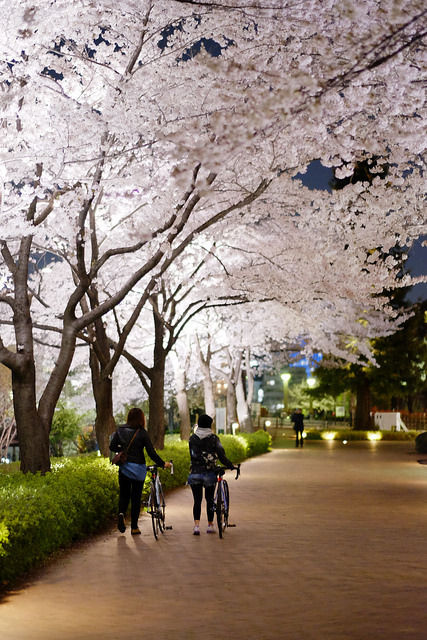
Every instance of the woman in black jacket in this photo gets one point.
(205, 450)
(133, 438)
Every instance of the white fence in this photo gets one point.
(389, 421)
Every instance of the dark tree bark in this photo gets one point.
(33, 432)
(363, 419)
(32, 428)
(156, 422)
(102, 386)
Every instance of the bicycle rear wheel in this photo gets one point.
(219, 502)
(153, 510)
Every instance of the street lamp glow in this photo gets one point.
(285, 377)
(311, 383)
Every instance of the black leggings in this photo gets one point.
(300, 439)
(130, 490)
(197, 490)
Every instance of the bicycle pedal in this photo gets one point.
(231, 525)
(169, 527)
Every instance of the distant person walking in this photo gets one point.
(133, 438)
(298, 420)
(205, 450)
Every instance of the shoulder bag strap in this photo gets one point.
(133, 437)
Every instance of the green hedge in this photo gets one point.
(41, 514)
(256, 443)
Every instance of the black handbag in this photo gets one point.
(121, 457)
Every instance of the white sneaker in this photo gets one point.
(210, 529)
(196, 531)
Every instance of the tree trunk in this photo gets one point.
(207, 380)
(33, 430)
(235, 364)
(363, 407)
(231, 404)
(250, 384)
(156, 401)
(34, 422)
(209, 396)
(181, 397)
(105, 424)
(102, 386)
(243, 413)
(184, 415)
(33, 434)
(353, 404)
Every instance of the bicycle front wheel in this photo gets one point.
(161, 510)
(220, 510)
(226, 500)
(153, 510)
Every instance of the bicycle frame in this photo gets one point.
(156, 505)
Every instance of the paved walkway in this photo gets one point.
(329, 545)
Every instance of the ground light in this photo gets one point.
(329, 435)
(373, 436)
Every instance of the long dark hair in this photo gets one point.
(136, 418)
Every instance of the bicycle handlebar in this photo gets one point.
(222, 470)
(154, 467)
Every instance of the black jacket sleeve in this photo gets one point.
(115, 444)
(152, 452)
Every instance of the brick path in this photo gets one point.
(329, 545)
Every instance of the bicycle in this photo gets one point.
(222, 499)
(156, 505)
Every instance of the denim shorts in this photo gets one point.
(207, 478)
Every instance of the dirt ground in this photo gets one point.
(328, 545)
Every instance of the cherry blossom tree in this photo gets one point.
(178, 297)
(180, 365)
(144, 124)
(230, 371)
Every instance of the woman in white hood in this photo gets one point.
(205, 451)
